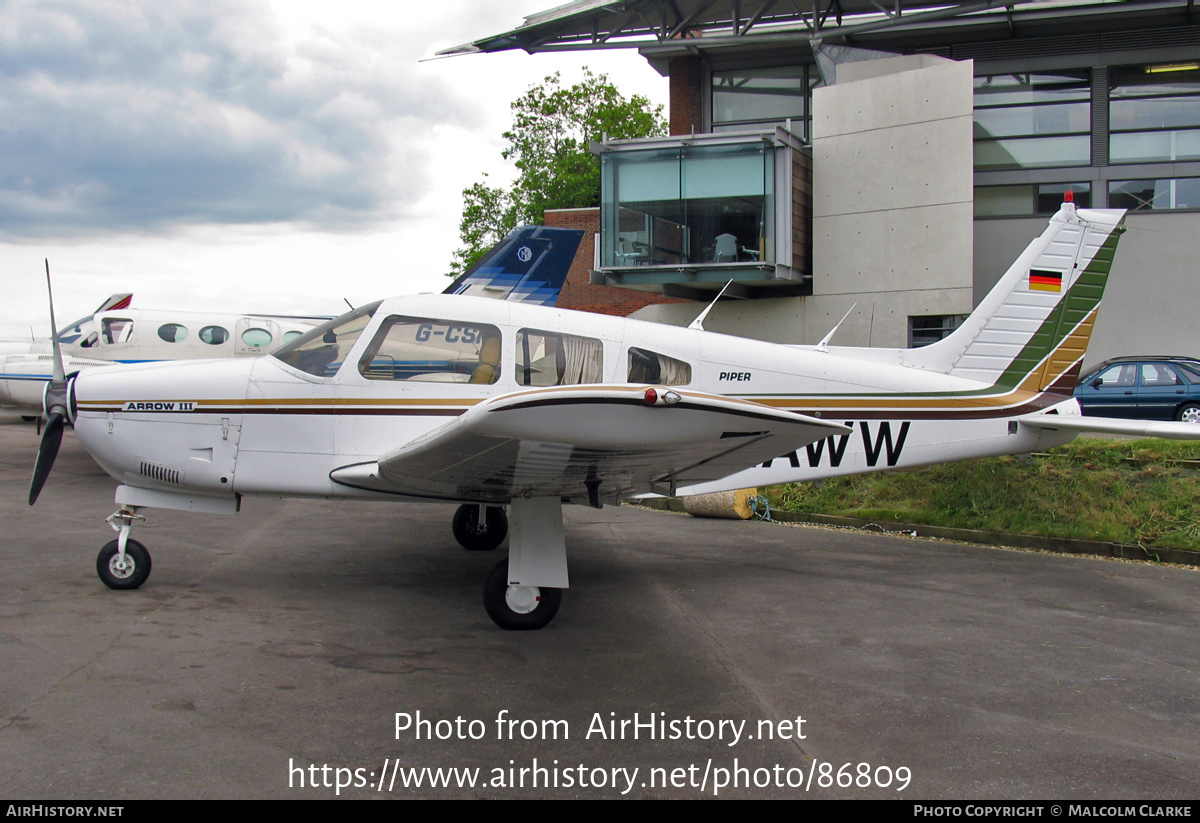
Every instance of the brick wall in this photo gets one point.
(687, 95)
(577, 292)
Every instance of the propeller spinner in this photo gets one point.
(54, 405)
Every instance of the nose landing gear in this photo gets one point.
(123, 563)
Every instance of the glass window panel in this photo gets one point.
(654, 177)
(172, 332)
(320, 352)
(722, 173)
(256, 338)
(1033, 120)
(759, 94)
(929, 329)
(1155, 195)
(646, 366)
(1033, 152)
(553, 359)
(1138, 147)
(1155, 113)
(714, 191)
(1013, 89)
(1140, 81)
(214, 335)
(117, 330)
(428, 350)
(1028, 199)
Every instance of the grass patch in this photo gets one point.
(1126, 491)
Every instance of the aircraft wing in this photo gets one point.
(587, 443)
(1110, 425)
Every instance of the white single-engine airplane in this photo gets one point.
(490, 403)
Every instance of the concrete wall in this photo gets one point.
(893, 191)
(892, 203)
(1152, 303)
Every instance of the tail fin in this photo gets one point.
(1032, 329)
(116, 302)
(529, 265)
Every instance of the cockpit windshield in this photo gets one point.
(321, 351)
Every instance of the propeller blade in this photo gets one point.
(59, 371)
(47, 451)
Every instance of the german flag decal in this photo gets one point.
(1043, 280)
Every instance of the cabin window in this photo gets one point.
(551, 359)
(256, 338)
(289, 336)
(426, 350)
(172, 332)
(321, 351)
(214, 335)
(117, 330)
(646, 366)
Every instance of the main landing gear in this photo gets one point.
(123, 563)
(524, 591)
(477, 533)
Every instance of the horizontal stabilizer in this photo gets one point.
(587, 443)
(1111, 425)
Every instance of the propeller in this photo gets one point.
(54, 404)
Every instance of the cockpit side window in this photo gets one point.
(116, 330)
(321, 351)
(646, 366)
(429, 350)
(554, 359)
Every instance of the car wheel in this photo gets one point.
(1188, 413)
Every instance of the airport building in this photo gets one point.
(889, 159)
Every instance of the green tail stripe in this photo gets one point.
(1081, 298)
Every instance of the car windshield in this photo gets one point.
(322, 350)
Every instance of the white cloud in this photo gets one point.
(295, 151)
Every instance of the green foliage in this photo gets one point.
(548, 142)
(1144, 491)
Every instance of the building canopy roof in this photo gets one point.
(698, 25)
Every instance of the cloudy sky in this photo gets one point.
(255, 155)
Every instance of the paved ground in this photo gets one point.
(291, 635)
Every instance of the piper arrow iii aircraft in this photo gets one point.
(488, 404)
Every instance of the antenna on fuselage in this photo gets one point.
(824, 344)
(698, 323)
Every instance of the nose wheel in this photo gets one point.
(123, 563)
(126, 570)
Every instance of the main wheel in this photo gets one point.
(518, 607)
(480, 537)
(1189, 413)
(128, 576)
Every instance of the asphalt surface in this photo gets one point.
(273, 649)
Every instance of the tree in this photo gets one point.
(549, 144)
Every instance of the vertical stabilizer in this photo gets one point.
(529, 265)
(1033, 328)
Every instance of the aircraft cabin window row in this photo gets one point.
(434, 350)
